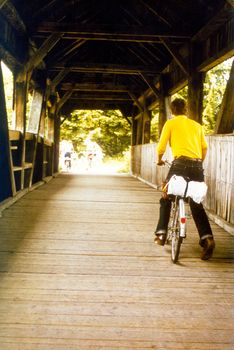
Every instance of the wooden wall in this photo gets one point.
(219, 173)
(218, 169)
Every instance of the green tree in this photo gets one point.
(214, 88)
(109, 129)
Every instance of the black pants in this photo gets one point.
(191, 170)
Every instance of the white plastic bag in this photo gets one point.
(177, 186)
(197, 191)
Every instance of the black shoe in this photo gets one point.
(208, 248)
(160, 238)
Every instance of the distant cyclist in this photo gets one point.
(67, 159)
(189, 148)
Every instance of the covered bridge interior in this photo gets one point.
(127, 55)
(78, 265)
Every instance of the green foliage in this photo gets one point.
(183, 93)
(8, 90)
(214, 88)
(154, 126)
(109, 129)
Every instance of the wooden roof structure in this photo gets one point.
(107, 54)
(83, 54)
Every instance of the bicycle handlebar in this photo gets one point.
(164, 162)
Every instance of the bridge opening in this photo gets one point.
(97, 141)
(8, 81)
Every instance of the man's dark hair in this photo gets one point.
(178, 106)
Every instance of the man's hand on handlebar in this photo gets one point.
(161, 162)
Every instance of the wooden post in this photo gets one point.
(56, 141)
(139, 120)
(20, 107)
(146, 120)
(163, 105)
(7, 185)
(134, 132)
(34, 125)
(195, 96)
(195, 84)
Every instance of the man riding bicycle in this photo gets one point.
(189, 147)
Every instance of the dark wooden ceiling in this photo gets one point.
(105, 53)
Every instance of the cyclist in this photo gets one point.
(67, 159)
(189, 147)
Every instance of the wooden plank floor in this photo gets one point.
(79, 270)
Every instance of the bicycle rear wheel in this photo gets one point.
(176, 240)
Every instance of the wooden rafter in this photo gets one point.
(59, 77)
(105, 68)
(98, 87)
(231, 2)
(176, 55)
(104, 32)
(67, 51)
(216, 22)
(38, 57)
(12, 15)
(137, 103)
(156, 13)
(64, 99)
(103, 96)
(2, 3)
(151, 85)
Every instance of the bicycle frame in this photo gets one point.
(177, 227)
(177, 224)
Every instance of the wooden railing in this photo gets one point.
(218, 170)
(31, 159)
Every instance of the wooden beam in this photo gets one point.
(105, 32)
(34, 126)
(225, 14)
(230, 2)
(105, 68)
(98, 87)
(48, 44)
(63, 100)
(12, 16)
(59, 77)
(35, 60)
(72, 105)
(67, 51)
(151, 85)
(2, 3)
(101, 97)
(222, 49)
(176, 55)
(195, 96)
(137, 103)
(128, 120)
(152, 10)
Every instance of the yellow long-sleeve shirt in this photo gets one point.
(185, 136)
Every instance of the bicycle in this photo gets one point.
(177, 226)
(180, 190)
(67, 163)
(176, 232)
